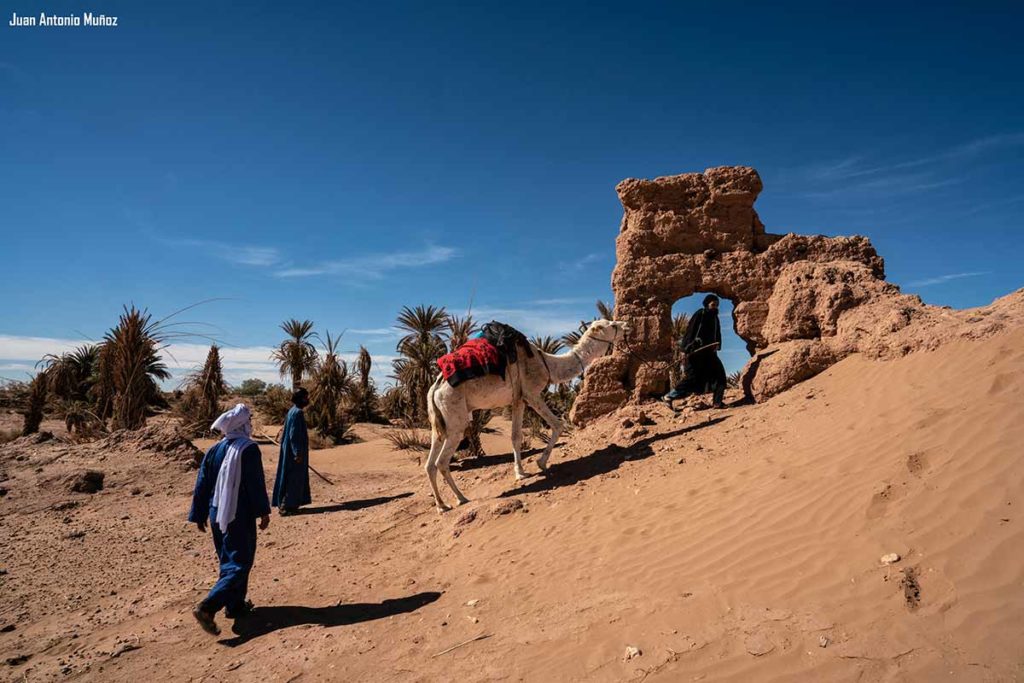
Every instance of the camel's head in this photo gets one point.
(608, 330)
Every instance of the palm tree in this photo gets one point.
(296, 356)
(101, 394)
(363, 396)
(423, 344)
(37, 392)
(459, 330)
(70, 377)
(332, 383)
(71, 374)
(606, 311)
(134, 366)
(393, 404)
(423, 325)
(733, 379)
(203, 390)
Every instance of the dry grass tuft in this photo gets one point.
(408, 440)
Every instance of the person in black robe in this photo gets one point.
(704, 370)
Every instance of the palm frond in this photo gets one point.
(548, 344)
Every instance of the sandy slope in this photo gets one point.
(723, 544)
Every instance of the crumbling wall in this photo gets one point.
(801, 302)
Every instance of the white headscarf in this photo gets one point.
(236, 425)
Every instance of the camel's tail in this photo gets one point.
(433, 412)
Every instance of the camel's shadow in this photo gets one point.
(601, 461)
(264, 620)
(467, 464)
(351, 504)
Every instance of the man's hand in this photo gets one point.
(264, 522)
(201, 525)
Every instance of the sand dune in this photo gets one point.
(724, 545)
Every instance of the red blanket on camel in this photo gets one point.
(475, 358)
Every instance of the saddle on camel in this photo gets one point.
(489, 353)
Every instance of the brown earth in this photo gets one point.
(741, 544)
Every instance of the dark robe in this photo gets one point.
(236, 548)
(291, 486)
(704, 370)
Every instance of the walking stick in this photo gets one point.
(706, 346)
(311, 468)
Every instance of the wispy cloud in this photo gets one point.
(373, 266)
(893, 184)
(246, 255)
(572, 301)
(940, 279)
(985, 206)
(376, 332)
(968, 149)
(855, 174)
(833, 170)
(581, 263)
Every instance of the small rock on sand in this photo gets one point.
(506, 507)
(86, 481)
(891, 558)
(631, 652)
(823, 641)
(466, 518)
(758, 645)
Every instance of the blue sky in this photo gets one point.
(336, 162)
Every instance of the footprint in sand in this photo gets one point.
(880, 501)
(917, 463)
(1003, 383)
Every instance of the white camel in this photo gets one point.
(451, 408)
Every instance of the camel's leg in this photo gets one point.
(538, 404)
(437, 439)
(518, 407)
(436, 443)
(455, 431)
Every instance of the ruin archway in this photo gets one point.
(698, 232)
(734, 352)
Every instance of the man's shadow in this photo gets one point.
(264, 620)
(351, 504)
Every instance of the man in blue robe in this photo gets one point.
(231, 493)
(291, 486)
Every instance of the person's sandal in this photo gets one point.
(206, 621)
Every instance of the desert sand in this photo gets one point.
(734, 545)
